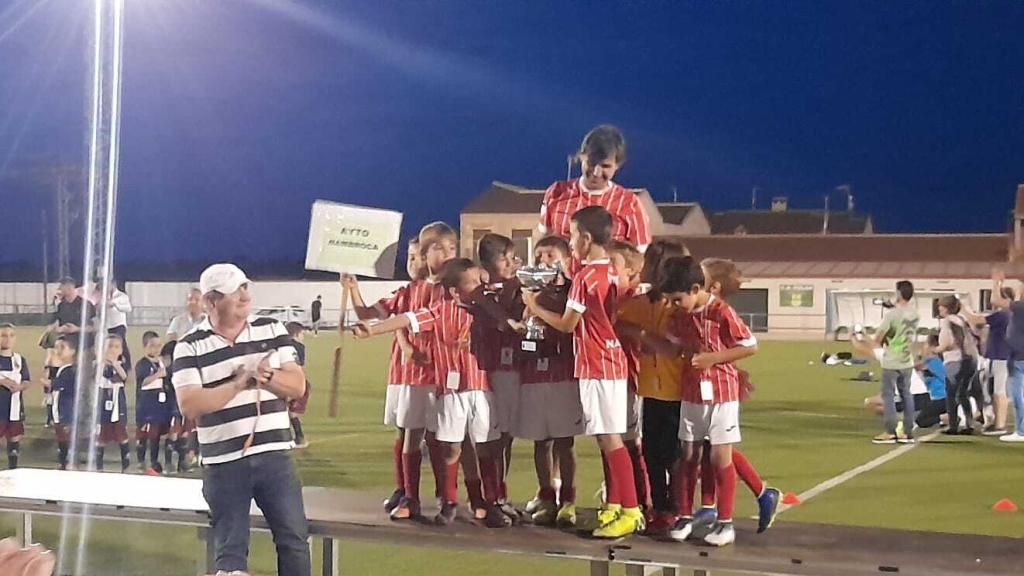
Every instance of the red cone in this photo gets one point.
(1004, 505)
(790, 499)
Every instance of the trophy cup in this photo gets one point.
(533, 278)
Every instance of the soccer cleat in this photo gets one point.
(967, 432)
(899, 429)
(884, 438)
(682, 530)
(152, 472)
(514, 516)
(1014, 437)
(767, 508)
(608, 514)
(447, 514)
(661, 524)
(496, 518)
(405, 510)
(629, 521)
(545, 513)
(705, 518)
(533, 505)
(723, 535)
(993, 431)
(391, 502)
(566, 515)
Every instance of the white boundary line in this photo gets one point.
(854, 472)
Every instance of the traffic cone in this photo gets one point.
(1004, 505)
(790, 499)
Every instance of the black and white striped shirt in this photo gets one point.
(203, 358)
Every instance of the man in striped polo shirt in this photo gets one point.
(234, 374)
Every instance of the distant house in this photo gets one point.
(781, 220)
(514, 211)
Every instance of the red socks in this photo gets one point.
(707, 479)
(399, 465)
(546, 494)
(567, 493)
(622, 487)
(451, 482)
(475, 492)
(686, 485)
(411, 463)
(725, 483)
(747, 473)
(437, 465)
(640, 479)
(611, 490)
(489, 474)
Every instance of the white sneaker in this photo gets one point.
(723, 535)
(1012, 437)
(682, 530)
(532, 505)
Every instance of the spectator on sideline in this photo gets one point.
(1015, 340)
(314, 314)
(959, 351)
(67, 319)
(897, 336)
(186, 321)
(997, 352)
(118, 307)
(248, 363)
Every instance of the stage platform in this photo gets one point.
(338, 516)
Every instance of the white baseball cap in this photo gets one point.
(224, 278)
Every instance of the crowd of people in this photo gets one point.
(638, 351)
(962, 377)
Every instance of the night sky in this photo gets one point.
(238, 114)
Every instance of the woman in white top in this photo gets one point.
(959, 350)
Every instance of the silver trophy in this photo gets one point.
(533, 278)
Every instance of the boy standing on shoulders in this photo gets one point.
(600, 364)
(713, 338)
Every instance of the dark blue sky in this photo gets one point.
(238, 114)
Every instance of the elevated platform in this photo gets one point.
(337, 515)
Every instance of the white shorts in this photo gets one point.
(604, 406)
(719, 423)
(467, 414)
(550, 410)
(506, 397)
(634, 416)
(1000, 372)
(408, 407)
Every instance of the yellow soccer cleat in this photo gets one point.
(567, 515)
(629, 521)
(608, 514)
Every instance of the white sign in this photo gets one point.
(353, 239)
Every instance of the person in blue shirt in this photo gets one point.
(934, 373)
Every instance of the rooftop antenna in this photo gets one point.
(675, 195)
(753, 197)
(824, 221)
(848, 191)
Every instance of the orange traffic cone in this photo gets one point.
(1004, 505)
(790, 499)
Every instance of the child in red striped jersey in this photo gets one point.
(712, 337)
(723, 279)
(629, 262)
(465, 404)
(550, 412)
(496, 343)
(600, 363)
(408, 399)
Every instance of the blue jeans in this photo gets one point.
(1015, 389)
(270, 479)
(891, 381)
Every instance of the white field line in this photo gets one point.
(854, 472)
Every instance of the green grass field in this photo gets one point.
(805, 424)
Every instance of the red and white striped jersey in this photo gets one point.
(563, 199)
(422, 294)
(594, 294)
(713, 328)
(449, 327)
(554, 360)
(393, 305)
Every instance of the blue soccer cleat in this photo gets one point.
(767, 508)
